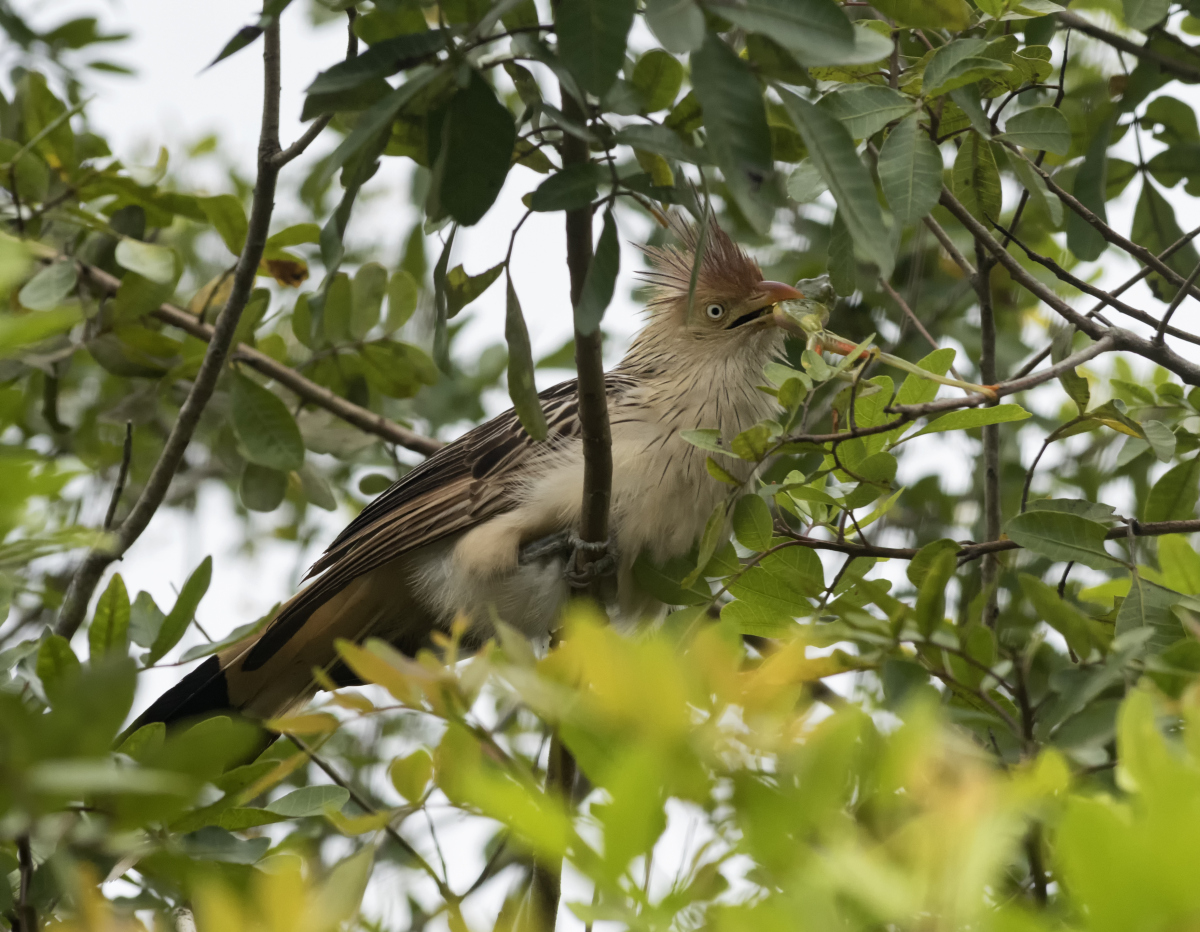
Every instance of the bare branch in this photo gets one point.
(948, 244)
(1125, 339)
(914, 320)
(122, 476)
(1182, 293)
(991, 432)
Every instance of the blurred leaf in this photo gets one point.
(462, 289)
(805, 183)
(1148, 605)
(265, 427)
(591, 39)
(677, 24)
(934, 14)
(145, 620)
(956, 64)
(1059, 615)
(930, 609)
(843, 269)
(228, 217)
(1155, 228)
(367, 290)
(109, 630)
(920, 565)
(181, 613)
(153, 262)
(1142, 14)
(832, 151)
(411, 775)
(1161, 439)
(57, 666)
(735, 121)
(817, 32)
(262, 488)
(49, 287)
(571, 188)
(402, 294)
(309, 801)
(1174, 496)
(17, 332)
(657, 76)
(382, 59)
(1090, 182)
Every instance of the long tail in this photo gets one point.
(272, 671)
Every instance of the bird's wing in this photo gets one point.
(464, 484)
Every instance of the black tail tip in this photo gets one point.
(201, 693)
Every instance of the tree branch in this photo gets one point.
(1165, 62)
(914, 320)
(991, 432)
(87, 576)
(1124, 339)
(948, 244)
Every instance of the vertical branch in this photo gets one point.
(26, 915)
(991, 433)
(546, 885)
(87, 576)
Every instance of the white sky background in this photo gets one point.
(173, 101)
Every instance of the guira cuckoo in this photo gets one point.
(472, 531)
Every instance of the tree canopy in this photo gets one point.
(890, 693)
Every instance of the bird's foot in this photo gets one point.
(604, 565)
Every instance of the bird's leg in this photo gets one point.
(843, 347)
(552, 545)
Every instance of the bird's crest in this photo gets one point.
(724, 266)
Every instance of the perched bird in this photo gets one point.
(485, 525)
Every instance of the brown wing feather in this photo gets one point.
(462, 485)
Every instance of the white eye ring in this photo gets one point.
(714, 311)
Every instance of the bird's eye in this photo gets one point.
(714, 311)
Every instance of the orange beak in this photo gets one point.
(778, 292)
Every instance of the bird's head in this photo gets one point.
(730, 304)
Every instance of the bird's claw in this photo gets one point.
(567, 545)
(578, 577)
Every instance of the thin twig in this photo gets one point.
(948, 244)
(1182, 293)
(916, 322)
(27, 920)
(122, 476)
(1165, 62)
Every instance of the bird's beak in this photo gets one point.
(778, 292)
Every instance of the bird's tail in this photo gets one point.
(271, 672)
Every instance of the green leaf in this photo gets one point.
(1039, 128)
(367, 291)
(109, 630)
(182, 613)
(864, 109)
(384, 58)
(975, 417)
(832, 151)
(1148, 605)
(817, 32)
(735, 120)
(706, 438)
(309, 801)
(1089, 189)
(402, 295)
(1174, 496)
(1155, 227)
(569, 189)
(315, 488)
(262, 488)
(957, 64)
(228, 217)
(660, 140)
(714, 529)
(1093, 511)
(805, 183)
(462, 289)
(1180, 564)
(591, 39)
(843, 269)
(48, 288)
(976, 180)
(931, 594)
(657, 76)
(1062, 538)
(1161, 439)
(910, 172)
(920, 565)
(934, 14)
(1064, 618)
(780, 584)
(265, 427)
(522, 388)
(411, 775)
(601, 280)
(1142, 14)
(677, 24)
(752, 524)
(56, 666)
(297, 234)
(159, 264)
(336, 306)
(145, 620)
(474, 154)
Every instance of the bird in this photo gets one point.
(483, 528)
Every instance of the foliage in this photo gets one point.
(1008, 736)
